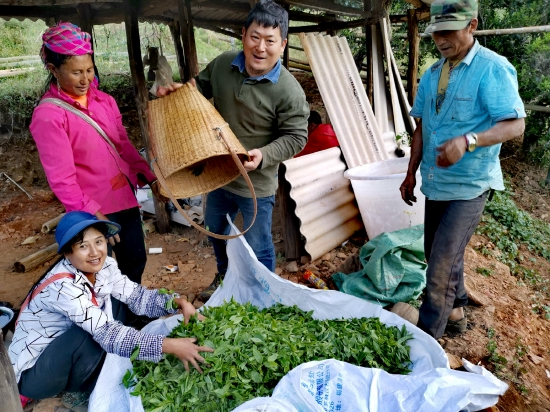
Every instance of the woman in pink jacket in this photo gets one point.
(86, 171)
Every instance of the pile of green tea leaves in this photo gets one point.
(254, 349)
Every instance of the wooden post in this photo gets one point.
(85, 13)
(286, 53)
(36, 259)
(414, 47)
(8, 385)
(191, 68)
(331, 32)
(140, 92)
(369, 86)
(86, 24)
(289, 222)
(175, 32)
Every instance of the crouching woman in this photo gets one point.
(74, 315)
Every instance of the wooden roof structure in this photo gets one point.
(226, 17)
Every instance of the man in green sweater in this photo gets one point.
(267, 110)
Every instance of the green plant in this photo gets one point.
(495, 359)
(484, 271)
(254, 349)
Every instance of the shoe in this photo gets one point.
(76, 401)
(457, 326)
(206, 293)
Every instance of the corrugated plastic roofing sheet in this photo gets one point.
(325, 203)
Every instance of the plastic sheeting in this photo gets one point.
(393, 271)
(431, 386)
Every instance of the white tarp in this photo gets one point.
(336, 385)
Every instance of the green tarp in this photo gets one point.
(394, 269)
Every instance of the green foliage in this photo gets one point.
(495, 359)
(504, 369)
(20, 38)
(530, 54)
(19, 95)
(509, 229)
(254, 349)
(484, 271)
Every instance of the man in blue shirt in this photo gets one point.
(468, 104)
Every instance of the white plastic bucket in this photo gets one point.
(376, 186)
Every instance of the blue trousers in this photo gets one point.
(448, 227)
(219, 203)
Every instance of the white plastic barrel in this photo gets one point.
(376, 186)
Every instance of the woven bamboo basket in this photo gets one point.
(184, 137)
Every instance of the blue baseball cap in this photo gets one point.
(74, 222)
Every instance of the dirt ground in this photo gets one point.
(499, 302)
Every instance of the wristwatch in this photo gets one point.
(471, 141)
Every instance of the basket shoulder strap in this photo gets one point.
(82, 115)
(241, 168)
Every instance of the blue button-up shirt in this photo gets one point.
(272, 75)
(482, 91)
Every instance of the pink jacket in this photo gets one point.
(83, 171)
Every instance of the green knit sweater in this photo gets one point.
(271, 117)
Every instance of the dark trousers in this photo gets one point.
(72, 362)
(130, 251)
(448, 227)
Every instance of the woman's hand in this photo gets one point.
(186, 351)
(155, 188)
(187, 309)
(113, 239)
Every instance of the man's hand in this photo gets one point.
(186, 350)
(113, 239)
(407, 189)
(451, 151)
(255, 159)
(155, 188)
(166, 90)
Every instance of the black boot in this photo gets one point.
(206, 293)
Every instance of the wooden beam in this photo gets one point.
(337, 25)
(229, 33)
(403, 18)
(414, 49)
(309, 17)
(191, 68)
(416, 3)
(45, 13)
(141, 94)
(176, 38)
(327, 6)
(222, 5)
(536, 108)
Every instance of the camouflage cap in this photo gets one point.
(451, 14)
